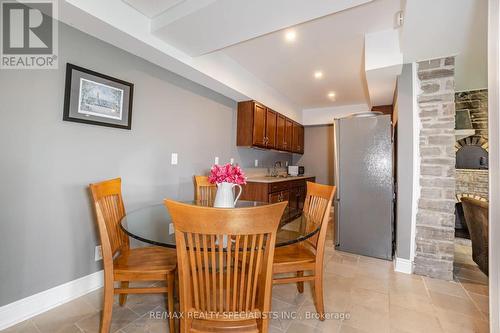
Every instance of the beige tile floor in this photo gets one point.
(375, 298)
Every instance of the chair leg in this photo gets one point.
(123, 297)
(264, 325)
(300, 285)
(107, 310)
(318, 295)
(170, 301)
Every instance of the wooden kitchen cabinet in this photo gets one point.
(288, 134)
(259, 125)
(290, 189)
(293, 197)
(280, 132)
(278, 197)
(300, 148)
(297, 138)
(270, 129)
(262, 127)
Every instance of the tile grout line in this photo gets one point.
(436, 309)
(474, 302)
(88, 316)
(427, 290)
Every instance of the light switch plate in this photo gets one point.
(256, 163)
(216, 160)
(231, 160)
(171, 229)
(174, 159)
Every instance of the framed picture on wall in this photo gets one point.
(97, 99)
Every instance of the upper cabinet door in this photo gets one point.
(259, 125)
(288, 135)
(280, 132)
(300, 148)
(270, 129)
(295, 138)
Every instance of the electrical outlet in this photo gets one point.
(231, 161)
(216, 160)
(174, 159)
(256, 163)
(98, 253)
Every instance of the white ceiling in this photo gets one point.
(214, 25)
(237, 47)
(440, 28)
(333, 44)
(152, 8)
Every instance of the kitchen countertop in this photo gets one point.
(268, 180)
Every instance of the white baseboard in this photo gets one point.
(403, 265)
(31, 306)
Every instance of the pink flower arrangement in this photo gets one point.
(227, 173)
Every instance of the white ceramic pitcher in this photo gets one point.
(225, 195)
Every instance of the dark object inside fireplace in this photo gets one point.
(471, 153)
(472, 157)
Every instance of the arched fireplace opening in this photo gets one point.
(471, 176)
(472, 153)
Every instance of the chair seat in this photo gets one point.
(292, 255)
(146, 260)
(205, 326)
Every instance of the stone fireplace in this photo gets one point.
(472, 151)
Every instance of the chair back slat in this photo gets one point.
(317, 207)
(225, 257)
(204, 190)
(108, 203)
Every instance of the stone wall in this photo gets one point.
(436, 206)
(472, 181)
(476, 102)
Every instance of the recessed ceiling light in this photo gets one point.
(331, 94)
(290, 36)
(318, 74)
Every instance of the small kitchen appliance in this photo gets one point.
(295, 170)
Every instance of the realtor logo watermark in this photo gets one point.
(29, 34)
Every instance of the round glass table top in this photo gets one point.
(153, 224)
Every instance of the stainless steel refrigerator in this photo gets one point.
(363, 160)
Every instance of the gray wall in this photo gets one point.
(404, 162)
(46, 222)
(318, 156)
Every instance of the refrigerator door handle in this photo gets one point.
(336, 176)
(337, 224)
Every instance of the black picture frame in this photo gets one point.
(75, 75)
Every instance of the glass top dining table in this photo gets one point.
(153, 224)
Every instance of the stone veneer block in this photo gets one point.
(436, 206)
(470, 181)
(476, 102)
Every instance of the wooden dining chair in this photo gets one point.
(123, 264)
(308, 255)
(204, 190)
(225, 259)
